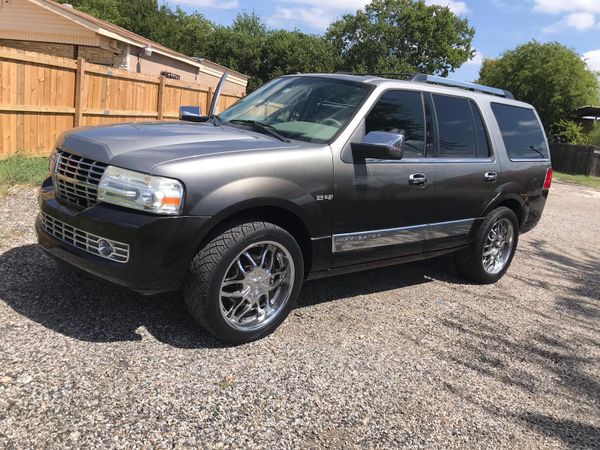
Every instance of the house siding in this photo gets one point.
(23, 20)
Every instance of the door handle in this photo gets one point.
(490, 176)
(417, 179)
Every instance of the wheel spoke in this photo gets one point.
(240, 267)
(250, 258)
(263, 256)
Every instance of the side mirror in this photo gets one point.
(380, 145)
(191, 114)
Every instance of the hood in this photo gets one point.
(141, 146)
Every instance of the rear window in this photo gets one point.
(521, 131)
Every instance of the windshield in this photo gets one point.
(306, 108)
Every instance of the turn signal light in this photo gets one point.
(548, 180)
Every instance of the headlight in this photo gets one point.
(140, 191)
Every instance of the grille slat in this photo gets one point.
(82, 239)
(77, 179)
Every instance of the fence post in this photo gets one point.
(79, 91)
(588, 169)
(161, 91)
(208, 100)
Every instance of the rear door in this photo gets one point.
(467, 170)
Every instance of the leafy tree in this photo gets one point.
(288, 52)
(402, 36)
(239, 47)
(108, 10)
(551, 77)
(251, 48)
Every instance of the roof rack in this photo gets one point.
(399, 75)
(432, 79)
(462, 85)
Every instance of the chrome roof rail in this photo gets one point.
(462, 85)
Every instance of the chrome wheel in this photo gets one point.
(498, 246)
(256, 286)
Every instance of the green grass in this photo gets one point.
(22, 170)
(579, 179)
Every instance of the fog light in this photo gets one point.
(104, 247)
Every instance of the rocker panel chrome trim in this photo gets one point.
(348, 242)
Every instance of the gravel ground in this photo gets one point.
(409, 356)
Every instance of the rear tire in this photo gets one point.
(490, 254)
(242, 285)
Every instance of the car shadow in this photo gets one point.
(81, 307)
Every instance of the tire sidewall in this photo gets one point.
(213, 308)
(480, 239)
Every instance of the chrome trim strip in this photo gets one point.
(347, 242)
(449, 229)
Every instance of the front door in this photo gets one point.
(382, 207)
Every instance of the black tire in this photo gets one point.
(470, 260)
(208, 269)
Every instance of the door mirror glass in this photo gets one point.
(380, 145)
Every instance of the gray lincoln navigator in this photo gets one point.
(308, 176)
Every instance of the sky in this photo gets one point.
(500, 25)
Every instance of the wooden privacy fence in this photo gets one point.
(41, 96)
(576, 159)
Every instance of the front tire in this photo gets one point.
(242, 285)
(489, 256)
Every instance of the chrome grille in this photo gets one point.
(76, 179)
(85, 241)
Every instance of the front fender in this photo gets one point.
(247, 193)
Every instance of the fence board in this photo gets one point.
(42, 96)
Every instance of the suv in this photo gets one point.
(306, 177)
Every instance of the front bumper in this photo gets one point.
(160, 247)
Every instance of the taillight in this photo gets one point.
(548, 180)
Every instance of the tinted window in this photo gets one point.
(483, 144)
(400, 111)
(455, 126)
(521, 132)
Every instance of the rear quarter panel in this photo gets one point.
(520, 180)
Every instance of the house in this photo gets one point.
(587, 116)
(60, 30)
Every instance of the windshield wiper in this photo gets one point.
(264, 127)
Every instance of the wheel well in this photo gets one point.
(277, 216)
(515, 207)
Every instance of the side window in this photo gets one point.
(400, 111)
(456, 127)
(521, 132)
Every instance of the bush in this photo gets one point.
(568, 132)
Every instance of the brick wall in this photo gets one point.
(62, 50)
(94, 55)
